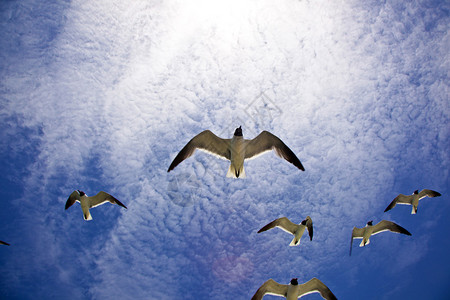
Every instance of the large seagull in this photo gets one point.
(236, 149)
(294, 290)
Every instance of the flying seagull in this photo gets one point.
(292, 228)
(236, 149)
(4, 243)
(365, 232)
(89, 202)
(293, 290)
(412, 199)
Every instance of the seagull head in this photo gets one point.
(370, 223)
(416, 192)
(81, 193)
(238, 131)
(304, 222)
(294, 281)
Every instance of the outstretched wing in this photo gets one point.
(357, 233)
(400, 199)
(428, 193)
(309, 225)
(283, 223)
(72, 198)
(316, 286)
(266, 141)
(206, 141)
(388, 225)
(101, 198)
(271, 287)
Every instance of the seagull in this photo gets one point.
(294, 290)
(370, 229)
(4, 243)
(292, 228)
(412, 199)
(236, 149)
(89, 202)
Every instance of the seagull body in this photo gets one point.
(293, 290)
(89, 202)
(236, 150)
(366, 232)
(4, 243)
(412, 199)
(292, 228)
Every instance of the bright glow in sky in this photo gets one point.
(101, 95)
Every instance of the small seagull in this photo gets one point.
(412, 199)
(292, 228)
(236, 149)
(4, 243)
(89, 202)
(370, 229)
(293, 290)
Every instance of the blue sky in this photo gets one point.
(102, 95)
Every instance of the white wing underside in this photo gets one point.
(274, 294)
(213, 153)
(284, 229)
(374, 233)
(258, 155)
(97, 204)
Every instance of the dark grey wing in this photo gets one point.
(309, 225)
(206, 141)
(271, 287)
(400, 199)
(388, 225)
(266, 141)
(357, 233)
(72, 199)
(4, 243)
(101, 198)
(284, 223)
(316, 286)
(428, 193)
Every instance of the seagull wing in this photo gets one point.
(4, 243)
(316, 286)
(101, 198)
(271, 287)
(206, 141)
(428, 193)
(309, 225)
(357, 233)
(284, 223)
(388, 225)
(400, 199)
(72, 198)
(266, 141)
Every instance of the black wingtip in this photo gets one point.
(120, 204)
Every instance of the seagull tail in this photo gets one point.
(294, 242)
(233, 173)
(414, 210)
(87, 216)
(366, 243)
